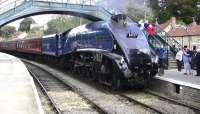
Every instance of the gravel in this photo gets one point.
(112, 104)
(160, 104)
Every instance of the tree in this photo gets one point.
(7, 31)
(154, 4)
(183, 10)
(25, 24)
(36, 32)
(163, 16)
(63, 23)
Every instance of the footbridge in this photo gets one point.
(11, 10)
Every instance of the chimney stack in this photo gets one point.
(173, 21)
(194, 23)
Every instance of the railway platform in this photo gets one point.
(18, 93)
(179, 78)
(177, 86)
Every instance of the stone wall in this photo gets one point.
(190, 41)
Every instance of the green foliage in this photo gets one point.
(155, 7)
(180, 22)
(36, 32)
(25, 24)
(163, 16)
(7, 31)
(63, 23)
(184, 10)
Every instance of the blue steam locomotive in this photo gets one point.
(114, 52)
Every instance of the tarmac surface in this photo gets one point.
(174, 76)
(18, 92)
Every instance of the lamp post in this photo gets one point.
(145, 13)
(198, 4)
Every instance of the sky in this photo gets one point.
(41, 20)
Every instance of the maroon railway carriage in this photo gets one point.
(33, 46)
(8, 45)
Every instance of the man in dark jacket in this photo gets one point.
(193, 54)
(197, 61)
(162, 54)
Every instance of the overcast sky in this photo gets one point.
(40, 20)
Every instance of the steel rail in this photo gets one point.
(94, 105)
(45, 92)
(173, 100)
(140, 103)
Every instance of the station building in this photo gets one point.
(186, 35)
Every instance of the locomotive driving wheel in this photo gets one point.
(92, 73)
(111, 74)
(144, 80)
(116, 82)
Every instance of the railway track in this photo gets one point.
(127, 102)
(160, 104)
(61, 96)
(47, 105)
(105, 100)
(180, 102)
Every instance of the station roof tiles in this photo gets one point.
(162, 26)
(191, 30)
(178, 32)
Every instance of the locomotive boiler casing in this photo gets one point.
(130, 53)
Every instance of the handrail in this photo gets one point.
(174, 45)
(14, 3)
(154, 43)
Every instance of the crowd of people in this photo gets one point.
(144, 25)
(184, 57)
(189, 59)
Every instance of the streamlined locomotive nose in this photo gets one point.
(139, 62)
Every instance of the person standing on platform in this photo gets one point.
(197, 62)
(194, 53)
(179, 59)
(187, 62)
(161, 52)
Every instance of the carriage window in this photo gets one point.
(103, 35)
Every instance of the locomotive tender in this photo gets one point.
(114, 52)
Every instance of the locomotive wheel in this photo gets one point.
(144, 80)
(116, 82)
(92, 75)
(61, 62)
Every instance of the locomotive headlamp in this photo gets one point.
(139, 52)
(144, 50)
(155, 59)
(122, 61)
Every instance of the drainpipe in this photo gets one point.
(182, 40)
